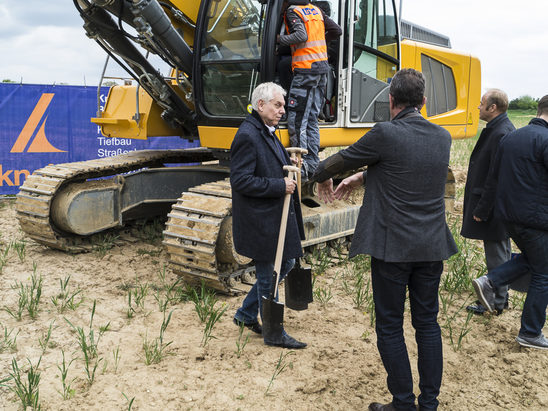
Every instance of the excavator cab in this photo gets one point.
(235, 49)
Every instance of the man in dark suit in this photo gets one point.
(478, 221)
(402, 226)
(258, 190)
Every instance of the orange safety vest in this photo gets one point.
(315, 48)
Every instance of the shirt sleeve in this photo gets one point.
(297, 31)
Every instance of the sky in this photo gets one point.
(43, 42)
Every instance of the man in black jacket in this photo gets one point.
(478, 221)
(402, 227)
(522, 202)
(259, 187)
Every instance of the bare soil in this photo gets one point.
(339, 370)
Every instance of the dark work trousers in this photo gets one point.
(306, 99)
(497, 253)
(390, 283)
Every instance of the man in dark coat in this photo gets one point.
(478, 221)
(521, 167)
(258, 191)
(402, 226)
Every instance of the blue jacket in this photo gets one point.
(522, 163)
(258, 192)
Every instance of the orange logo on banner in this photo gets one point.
(40, 144)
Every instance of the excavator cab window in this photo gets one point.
(374, 60)
(230, 55)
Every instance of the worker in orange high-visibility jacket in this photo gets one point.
(308, 29)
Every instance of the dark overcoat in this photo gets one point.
(522, 170)
(258, 192)
(480, 188)
(402, 218)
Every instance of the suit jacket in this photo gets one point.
(480, 189)
(258, 192)
(402, 218)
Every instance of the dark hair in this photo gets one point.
(542, 106)
(407, 88)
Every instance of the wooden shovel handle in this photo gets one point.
(283, 227)
(298, 152)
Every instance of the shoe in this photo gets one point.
(376, 406)
(255, 327)
(479, 309)
(287, 342)
(485, 292)
(539, 341)
(476, 308)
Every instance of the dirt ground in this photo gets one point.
(339, 370)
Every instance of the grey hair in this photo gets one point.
(265, 92)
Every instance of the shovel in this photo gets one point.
(272, 310)
(298, 284)
(298, 287)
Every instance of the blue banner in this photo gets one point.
(50, 124)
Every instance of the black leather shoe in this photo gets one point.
(287, 342)
(477, 308)
(377, 406)
(255, 327)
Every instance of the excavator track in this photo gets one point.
(34, 201)
(198, 238)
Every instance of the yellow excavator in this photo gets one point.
(214, 53)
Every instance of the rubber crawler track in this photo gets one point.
(33, 203)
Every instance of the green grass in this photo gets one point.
(521, 118)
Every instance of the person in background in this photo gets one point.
(258, 191)
(521, 167)
(402, 226)
(478, 221)
(308, 30)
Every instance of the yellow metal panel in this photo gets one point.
(474, 97)
(190, 9)
(221, 137)
(118, 118)
(463, 120)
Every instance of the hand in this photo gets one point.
(348, 185)
(290, 185)
(298, 162)
(477, 219)
(325, 191)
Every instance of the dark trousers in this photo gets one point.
(497, 253)
(534, 260)
(390, 283)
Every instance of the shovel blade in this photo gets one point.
(298, 288)
(273, 320)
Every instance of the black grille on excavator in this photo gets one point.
(382, 111)
(413, 31)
